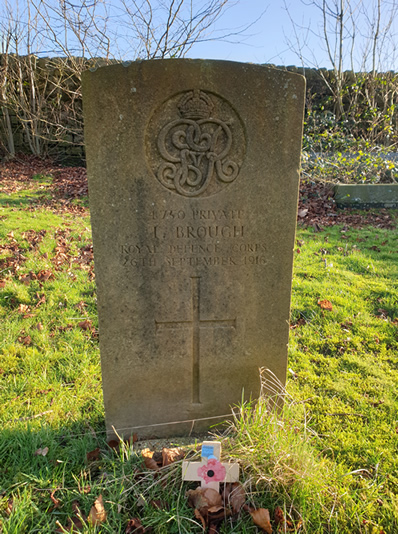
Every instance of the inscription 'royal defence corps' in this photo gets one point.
(199, 152)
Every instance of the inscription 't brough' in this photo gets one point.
(200, 146)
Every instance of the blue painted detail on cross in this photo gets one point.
(207, 451)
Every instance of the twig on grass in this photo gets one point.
(31, 417)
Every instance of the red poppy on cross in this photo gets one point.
(210, 471)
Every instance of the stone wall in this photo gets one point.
(41, 106)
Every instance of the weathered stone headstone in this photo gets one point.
(193, 183)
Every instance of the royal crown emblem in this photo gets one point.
(201, 149)
(195, 105)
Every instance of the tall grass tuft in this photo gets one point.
(283, 466)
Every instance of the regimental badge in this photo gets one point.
(201, 150)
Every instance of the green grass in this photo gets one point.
(329, 460)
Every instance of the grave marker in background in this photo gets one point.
(193, 183)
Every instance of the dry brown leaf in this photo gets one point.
(170, 456)
(284, 524)
(86, 325)
(97, 513)
(199, 516)
(56, 502)
(114, 444)
(39, 326)
(298, 323)
(302, 213)
(234, 495)
(325, 305)
(261, 518)
(134, 526)
(41, 299)
(27, 278)
(149, 462)
(93, 455)
(42, 452)
(45, 275)
(204, 498)
(157, 456)
(2, 284)
(23, 308)
(279, 516)
(9, 507)
(81, 306)
(26, 340)
(215, 514)
(212, 496)
(65, 328)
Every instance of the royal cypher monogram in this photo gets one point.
(195, 148)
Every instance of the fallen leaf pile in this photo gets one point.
(71, 182)
(317, 208)
(316, 204)
(14, 256)
(156, 460)
(67, 184)
(85, 260)
(16, 174)
(211, 507)
(33, 237)
(62, 249)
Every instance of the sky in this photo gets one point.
(263, 42)
(267, 40)
(282, 32)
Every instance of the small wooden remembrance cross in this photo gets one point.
(210, 471)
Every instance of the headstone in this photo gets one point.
(210, 471)
(193, 172)
(365, 196)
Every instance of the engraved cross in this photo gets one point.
(196, 324)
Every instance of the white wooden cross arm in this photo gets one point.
(210, 471)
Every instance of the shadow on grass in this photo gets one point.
(18, 200)
(67, 445)
(50, 478)
(37, 460)
(32, 200)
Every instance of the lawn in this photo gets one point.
(328, 463)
